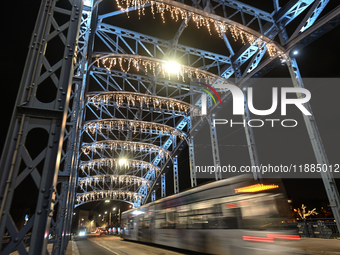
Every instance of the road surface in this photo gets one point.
(114, 245)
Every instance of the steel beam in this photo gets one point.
(193, 179)
(176, 178)
(163, 191)
(254, 159)
(153, 196)
(32, 115)
(317, 145)
(215, 150)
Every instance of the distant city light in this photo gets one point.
(107, 201)
(114, 209)
(105, 212)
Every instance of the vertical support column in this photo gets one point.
(319, 151)
(215, 151)
(192, 162)
(31, 114)
(153, 196)
(176, 184)
(254, 159)
(163, 193)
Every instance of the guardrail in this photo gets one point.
(317, 228)
(26, 240)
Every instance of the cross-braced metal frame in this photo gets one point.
(114, 118)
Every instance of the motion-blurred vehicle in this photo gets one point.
(82, 231)
(231, 216)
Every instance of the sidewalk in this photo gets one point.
(72, 248)
(318, 246)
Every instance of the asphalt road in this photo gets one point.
(114, 245)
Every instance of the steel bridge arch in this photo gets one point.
(64, 117)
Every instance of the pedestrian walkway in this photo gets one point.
(72, 248)
(318, 246)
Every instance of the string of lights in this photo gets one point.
(144, 101)
(113, 162)
(156, 66)
(133, 125)
(179, 13)
(113, 179)
(107, 194)
(125, 145)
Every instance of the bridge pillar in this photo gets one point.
(315, 138)
(214, 144)
(176, 184)
(254, 159)
(163, 193)
(192, 162)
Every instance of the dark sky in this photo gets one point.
(320, 59)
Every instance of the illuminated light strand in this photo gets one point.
(178, 13)
(125, 62)
(112, 162)
(145, 101)
(256, 188)
(133, 125)
(107, 194)
(125, 145)
(117, 179)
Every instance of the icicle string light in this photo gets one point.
(125, 145)
(107, 194)
(112, 179)
(178, 13)
(132, 125)
(144, 101)
(127, 61)
(114, 163)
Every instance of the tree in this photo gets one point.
(303, 213)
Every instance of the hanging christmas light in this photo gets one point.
(132, 125)
(144, 101)
(112, 194)
(113, 145)
(109, 178)
(200, 18)
(166, 68)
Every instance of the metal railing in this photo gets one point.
(317, 228)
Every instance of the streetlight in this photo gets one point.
(122, 161)
(172, 67)
(106, 212)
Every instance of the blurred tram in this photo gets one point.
(231, 216)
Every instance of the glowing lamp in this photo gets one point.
(256, 188)
(172, 67)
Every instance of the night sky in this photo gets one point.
(319, 59)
